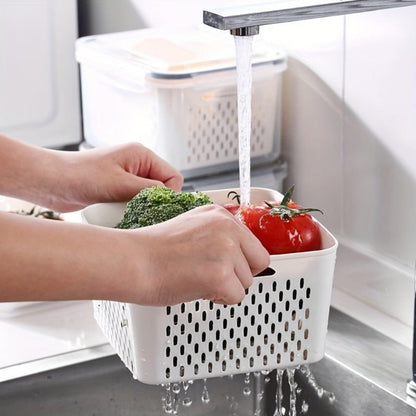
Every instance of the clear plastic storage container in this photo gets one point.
(176, 94)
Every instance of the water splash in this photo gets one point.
(304, 407)
(177, 394)
(168, 402)
(320, 391)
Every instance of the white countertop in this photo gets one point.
(47, 335)
(37, 336)
(47, 329)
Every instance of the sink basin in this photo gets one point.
(105, 387)
(354, 395)
(366, 371)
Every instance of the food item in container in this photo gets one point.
(233, 207)
(157, 204)
(38, 212)
(282, 227)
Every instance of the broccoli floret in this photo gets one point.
(154, 205)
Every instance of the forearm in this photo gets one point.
(204, 253)
(53, 260)
(68, 181)
(26, 171)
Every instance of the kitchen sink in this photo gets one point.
(363, 373)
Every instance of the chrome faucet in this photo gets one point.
(245, 20)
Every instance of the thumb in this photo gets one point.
(134, 184)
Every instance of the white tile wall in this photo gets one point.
(349, 136)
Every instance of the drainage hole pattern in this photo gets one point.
(269, 329)
(112, 319)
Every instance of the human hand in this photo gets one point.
(203, 253)
(67, 181)
(107, 174)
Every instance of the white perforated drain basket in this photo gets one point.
(282, 321)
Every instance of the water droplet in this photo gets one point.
(168, 409)
(246, 391)
(205, 395)
(176, 388)
(247, 378)
(187, 401)
(304, 407)
(331, 397)
(233, 405)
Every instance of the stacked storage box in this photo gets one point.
(176, 94)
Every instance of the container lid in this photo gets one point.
(164, 53)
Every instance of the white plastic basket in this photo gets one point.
(282, 321)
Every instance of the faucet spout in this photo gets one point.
(246, 19)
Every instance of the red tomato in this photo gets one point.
(233, 208)
(282, 227)
(281, 235)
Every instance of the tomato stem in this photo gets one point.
(283, 208)
(236, 196)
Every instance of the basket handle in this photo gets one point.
(266, 272)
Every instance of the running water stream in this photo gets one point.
(243, 47)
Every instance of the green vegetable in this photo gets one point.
(154, 205)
